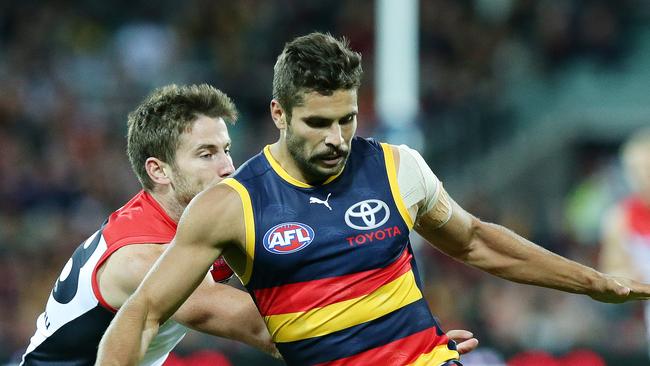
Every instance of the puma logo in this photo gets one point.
(318, 200)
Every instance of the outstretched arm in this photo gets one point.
(211, 221)
(501, 252)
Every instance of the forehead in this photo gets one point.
(341, 102)
(204, 131)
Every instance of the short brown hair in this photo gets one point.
(315, 62)
(155, 126)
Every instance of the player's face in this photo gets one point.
(202, 158)
(319, 133)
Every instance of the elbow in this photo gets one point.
(143, 306)
(472, 241)
(264, 340)
(474, 252)
(200, 321)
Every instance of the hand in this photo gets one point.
(620, 289)
(276, 354)
(465, 341)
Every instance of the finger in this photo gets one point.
(634, 295)
(459, 335)
(467, 346)
(640, 290)
(621, 290)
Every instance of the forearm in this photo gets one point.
(224, 311)
(253, 333)
(128, 336)
(256, 335)
(503, 253)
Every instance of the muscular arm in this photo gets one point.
(499, 251)
(212, 221)
(213, 308)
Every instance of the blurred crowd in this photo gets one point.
(72, 70)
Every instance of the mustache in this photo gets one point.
(333, 152)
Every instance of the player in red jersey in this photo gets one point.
(178, 144)
(626, 227)
(317, 124)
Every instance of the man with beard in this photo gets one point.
(317, 226)
(178, 144)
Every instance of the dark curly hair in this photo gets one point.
(314, 62)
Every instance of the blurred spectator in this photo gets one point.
(541, 358)
(202, 358)
(626, 227)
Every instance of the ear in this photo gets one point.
(278, 115)
(158, 170)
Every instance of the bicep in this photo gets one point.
(207, 225)
(447, 226)
(175, 275)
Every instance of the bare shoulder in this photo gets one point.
(220, 200)
(216, 214)
(134, 259)
(124, 270)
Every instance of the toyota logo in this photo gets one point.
(367, 215)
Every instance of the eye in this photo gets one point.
(317, 122)
(347, 119)
(206, 156)
(227, 151)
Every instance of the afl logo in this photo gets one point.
(288, 237)
(367, 215)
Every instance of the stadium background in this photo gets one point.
(522, 107)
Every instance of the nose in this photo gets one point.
(334, 136)
(226, 168)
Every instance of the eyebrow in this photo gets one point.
(211, 146)
(320, 119)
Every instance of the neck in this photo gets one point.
(169, 203)
(281, 155)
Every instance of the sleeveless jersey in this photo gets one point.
(637, 220)
(330, 267)
(76, 315)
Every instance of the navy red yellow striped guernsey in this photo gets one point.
(330, 267)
